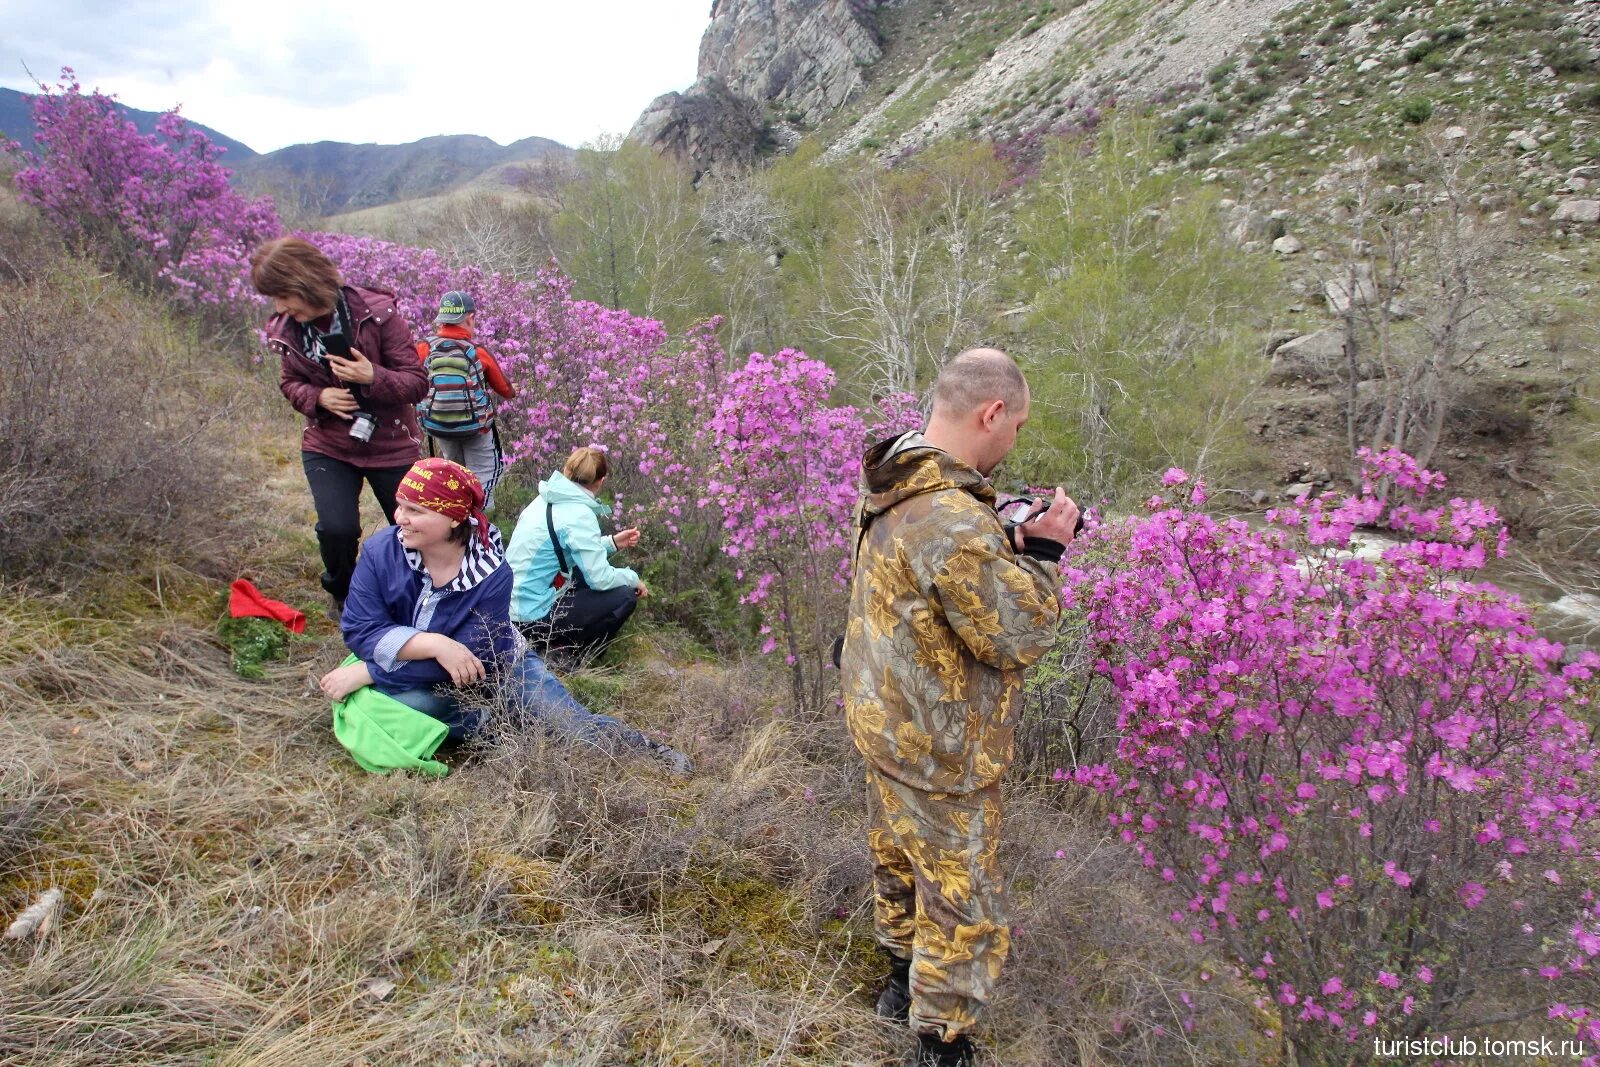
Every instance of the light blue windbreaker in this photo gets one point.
(533, 562)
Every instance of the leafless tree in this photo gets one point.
(1416, 282)
(743, 223)
(498, 234)
(918, 282)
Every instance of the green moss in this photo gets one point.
(594, 689)
(253, 644)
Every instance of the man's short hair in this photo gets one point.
(977, 377)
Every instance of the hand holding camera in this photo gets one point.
(1056, 518)
(1061, 521)
(354, 369)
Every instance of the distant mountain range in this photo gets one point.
(16, 123)
(330, 177)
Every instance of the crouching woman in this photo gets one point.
(428, 616)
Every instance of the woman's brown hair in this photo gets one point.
(289, 266)
(586, 466)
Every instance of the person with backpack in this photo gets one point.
(567, 598)
(428, 625)
(458, 412)
(348, 365)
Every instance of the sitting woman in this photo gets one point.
(427, 615)
(567, 596)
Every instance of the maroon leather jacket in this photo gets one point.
(398, 383)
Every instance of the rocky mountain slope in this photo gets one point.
(804, 58)
(890, 77)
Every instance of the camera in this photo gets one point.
(363, 426)
(1018, 510)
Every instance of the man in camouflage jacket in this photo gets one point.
(946, 612)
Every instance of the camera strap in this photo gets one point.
(341, 318)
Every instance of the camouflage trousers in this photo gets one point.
(938, 897)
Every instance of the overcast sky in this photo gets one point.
(292, 71)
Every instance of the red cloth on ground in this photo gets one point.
(246, 601)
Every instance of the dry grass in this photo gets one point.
(233, 880)
(234, 885)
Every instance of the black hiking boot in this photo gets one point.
(336, 609)
(894, 999)
(931, 1052)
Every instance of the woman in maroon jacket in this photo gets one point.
(350, 367)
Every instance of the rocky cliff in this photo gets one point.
(800, 59)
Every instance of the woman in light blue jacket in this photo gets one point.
(566, 596)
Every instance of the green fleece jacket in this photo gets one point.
(382, 734)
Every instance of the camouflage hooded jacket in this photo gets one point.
(944, 618)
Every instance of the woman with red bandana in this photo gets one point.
(429, 612)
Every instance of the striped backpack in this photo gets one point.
(457, 404)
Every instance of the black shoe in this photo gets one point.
(336, 609)
(894, 1000)
(931, 1052)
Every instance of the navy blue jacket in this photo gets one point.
(390, 602)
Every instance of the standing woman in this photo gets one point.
(350, 367)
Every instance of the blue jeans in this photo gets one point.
(532, 695)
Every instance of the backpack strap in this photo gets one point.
(561, 557)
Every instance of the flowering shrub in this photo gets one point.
(1363, 777)
(785, 479)
(158, 209)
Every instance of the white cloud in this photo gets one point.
(310, 70)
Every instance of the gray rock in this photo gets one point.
(1314, 358)
(1288, 245)
(797, 53)
(1522, 141)
(1345, 291)
(707, 126)
(1584, 211)
(800, 56)
(1246, 224)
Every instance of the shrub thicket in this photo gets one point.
(112, 430)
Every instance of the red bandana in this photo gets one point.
(448, 488)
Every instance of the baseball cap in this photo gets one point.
(455, 306)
